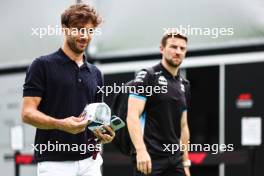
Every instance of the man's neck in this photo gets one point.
(78, 58)
(170, 69)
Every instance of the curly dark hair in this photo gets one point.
(80, 14)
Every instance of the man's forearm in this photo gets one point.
(40, 120)
(135, 132)
(185, 136)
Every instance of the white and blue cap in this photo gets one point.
(98, 113)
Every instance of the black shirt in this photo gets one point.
(161, 120)
(65, 89)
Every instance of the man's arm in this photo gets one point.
(185, 137)
(135, 109)
(31, 115)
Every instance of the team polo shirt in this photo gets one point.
(161, 119)
(65, 89)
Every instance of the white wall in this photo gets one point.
(17, 44)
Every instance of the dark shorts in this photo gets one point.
(162, 166)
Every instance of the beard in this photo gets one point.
(170, 62)
(73, 46)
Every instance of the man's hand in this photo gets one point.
(105, 137)
(144, 161)
(73, 125)
(187, 171)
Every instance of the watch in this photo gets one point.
(187, 163)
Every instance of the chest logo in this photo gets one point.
(182, 87)
(163, 81)
(140, 76)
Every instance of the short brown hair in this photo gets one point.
(80, 14)
(172, 35)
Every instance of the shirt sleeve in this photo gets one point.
(34, 85)
(140, 86)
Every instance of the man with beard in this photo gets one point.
(158, 122)
(57, 88)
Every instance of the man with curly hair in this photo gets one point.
(56, 89)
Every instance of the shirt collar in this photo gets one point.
(64, 59)
(167, 73)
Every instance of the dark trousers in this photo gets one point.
(162, 166)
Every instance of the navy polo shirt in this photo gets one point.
(65, 89)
